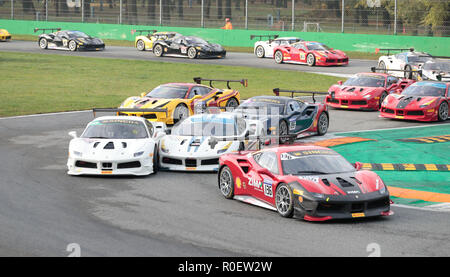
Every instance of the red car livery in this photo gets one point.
(365, 91)
(310, 53)
(311, 182)
(422, 101)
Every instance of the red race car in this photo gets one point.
(314, 183)
(422, 101)
(310, 53)
(365, 91)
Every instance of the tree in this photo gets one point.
(437, 16)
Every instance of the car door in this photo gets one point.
(260, 184)
(58, 40)
(300, 116)
(302, 52)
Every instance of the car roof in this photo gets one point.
(135, 118)
(185, 84)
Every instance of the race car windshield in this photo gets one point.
(115, 129)
(442, 66)
(365, 81)
(317, 46)
(294, 163)
(430, 89)
(77, 34)
(208, 128)
(168, 91)
(260, 107)
(195, 40)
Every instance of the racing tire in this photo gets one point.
(382, 66)
(155, 160)
(408, 75)
(226, 182)
(284, 200)
(443, 111)
(140, 45)
(322, 124)
(310, 59)
(192, 53)
(232, 103)
(158, 50)
(72, 46)
(278, 57)
(382, 97)
(180, 113)
(283, 131)
(43, 43)
(259, 52)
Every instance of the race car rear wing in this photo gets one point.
(277, 91)
(128, 110)
(199, 80)
(377, 50)
(383, 70)
(47, 29)
(149, 32)
(270, 37)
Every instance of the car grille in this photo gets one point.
(134, 164)
(172, 161)
(190, 162)
(333, 100)
(210, 162)
(84, 164)
(389, 111)
(415, 113)
(360, 102)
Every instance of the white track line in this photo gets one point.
(44, 114)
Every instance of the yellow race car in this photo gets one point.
(145, 42)
(4, 35)
(173, 102)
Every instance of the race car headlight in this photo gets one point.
(198, 48)
(381, 187)
(367, 96)
(137, 154)
(76, 153)
(385, 101)
(427, 104)
(163, 147)
(225, 148)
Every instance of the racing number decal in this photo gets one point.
(292, 125)
(302, 56)
(268, 191)
(183, 49)
(64, 41)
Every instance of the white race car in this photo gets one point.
(192, 145)
(437, 70)
(116, 145)
(403, 64)
(264, 48)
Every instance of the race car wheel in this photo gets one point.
(72, 45)
(278, 57)
(158, 50)
(408, 74)
(284, 201)
(443, 111)
(260, 51)
(140, 45)
(226, 183)
(43, 43)
(192, 53)
(382, 97)
(232, 103)
(311, 59)
(181, 112)
(283, 131)
(382, 66)
(155, 160)
(322, 124)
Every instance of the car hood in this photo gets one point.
(90, 40)
(145, 102)
(4, 32)
(108, 149)
(196, 146)
(330, 54)
(209, 47)
(349, 183)
(349, 91)
(409, 102)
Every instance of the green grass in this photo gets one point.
(41, 83)
(113, 42)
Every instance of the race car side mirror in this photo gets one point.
(143, 94)
(73, 134)
(340, 82)
(265, 171)
(358, 165)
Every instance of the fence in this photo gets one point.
(408, 17)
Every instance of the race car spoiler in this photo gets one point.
(270, 37)
(143, 31)
(374, 69)
(199, 80)
(214, 140)
(292, 92)
(129, 110)
(47, 29)
(377, 50)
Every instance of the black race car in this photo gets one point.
(192, 47)
(68, 40)
(287, 116)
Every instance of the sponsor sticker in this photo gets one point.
(268, 188)
(315, 179)
(256, 184)
(354, 215)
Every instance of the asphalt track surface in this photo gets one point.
(232, 58)
(42, 209)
